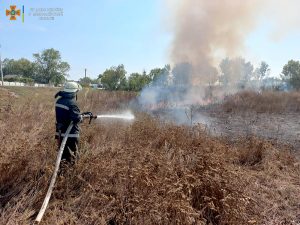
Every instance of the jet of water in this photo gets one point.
(124, 116)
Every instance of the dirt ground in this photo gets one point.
(283, 128)
(274, 116)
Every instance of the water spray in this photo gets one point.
(123, 116)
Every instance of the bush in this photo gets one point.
(25, 80)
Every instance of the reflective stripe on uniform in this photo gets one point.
(62, 106)
(70, 135)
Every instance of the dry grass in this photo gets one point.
(147, 172)
(264, 102)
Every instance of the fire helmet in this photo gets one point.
(72, 87)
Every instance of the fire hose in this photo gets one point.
(53, 179)
(85, 115)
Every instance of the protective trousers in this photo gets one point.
(70, 153)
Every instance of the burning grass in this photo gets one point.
(145, 172)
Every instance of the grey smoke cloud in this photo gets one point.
(283, 16)
(206, 31)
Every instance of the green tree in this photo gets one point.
(25, 68)
(50, 68)
(85, 81)
(234, 71)
(160, 76)
(154, 74)
(22, 67)
(262, 71)
(8, 67)
(136, 81)
(291, 73)
(114, 78)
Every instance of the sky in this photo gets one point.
(99, 34)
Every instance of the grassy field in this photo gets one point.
(268, 101)
(144, 172)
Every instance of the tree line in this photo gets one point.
(115, 78)
(236, 71)
(49, 68)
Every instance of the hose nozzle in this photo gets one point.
(88, 115)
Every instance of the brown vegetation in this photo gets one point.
(146, 172)
(268, 101)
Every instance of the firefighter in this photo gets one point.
(67, 110)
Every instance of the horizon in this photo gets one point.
(98, 35)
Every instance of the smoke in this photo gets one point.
(205, 32)
(285, 17)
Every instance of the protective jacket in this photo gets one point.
(67, 110)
